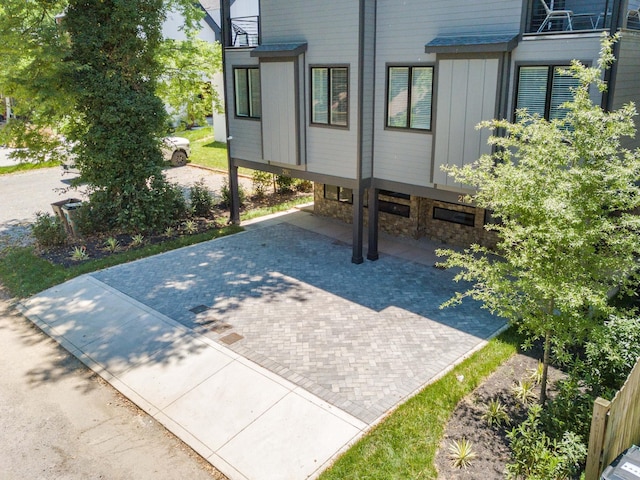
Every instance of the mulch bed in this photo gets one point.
(96, 248)
(490, 444)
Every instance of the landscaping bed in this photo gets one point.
(489, 443)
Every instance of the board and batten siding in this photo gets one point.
(279, 121)
(330, 29)
(403, 30)
(247, 136)
(467, 92)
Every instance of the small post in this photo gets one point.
(596, 438)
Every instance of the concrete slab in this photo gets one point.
(306, 434)
(163, 382)
(225, 404)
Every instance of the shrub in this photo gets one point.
(461, 453)
(536, 457)
(261, 181)
(202, 201)
(48, 230)
(495, 413)
(523, 392)
(284, 184)
(225, 193)
(304, 186)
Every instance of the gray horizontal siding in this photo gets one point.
(247, 135)
(627, 86)
(403, 29)
(330, 29)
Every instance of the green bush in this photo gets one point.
(48, 230)
(202, 201)
(225, 193)
(151, 210)
(535, 456)
(261, 182)
(304, 186)
(284, 184)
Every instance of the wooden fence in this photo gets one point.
(615, 425)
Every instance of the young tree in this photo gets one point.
(564, 193)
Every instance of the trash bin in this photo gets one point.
(69, 210)
(625, 467)
(57, 209)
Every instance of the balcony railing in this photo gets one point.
(245, 31)
(551, 16)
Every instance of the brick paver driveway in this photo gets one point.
(362, 337)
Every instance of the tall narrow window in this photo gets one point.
(410, 90)
(330, 96)
(247, 90)
(543, 89)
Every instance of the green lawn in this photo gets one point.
(404, 445)
(206, 152)
(23, 167)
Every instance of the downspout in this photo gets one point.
(373, 213)
(234, 197)
(358, 196)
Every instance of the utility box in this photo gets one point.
(625, 467)
(69, 210)
(57, 209)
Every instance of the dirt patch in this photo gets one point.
(490, 444)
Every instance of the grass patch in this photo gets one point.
(280, 207)
(24, 273)
(195, 134)
(26, 166)
(206, 152)
(404, 445)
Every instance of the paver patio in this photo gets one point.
(268, 351)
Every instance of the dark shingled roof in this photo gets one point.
(279, 50)
(473, 43)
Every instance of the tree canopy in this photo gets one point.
(566, 196)
(85, 73)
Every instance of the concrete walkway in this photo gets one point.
(268, 352)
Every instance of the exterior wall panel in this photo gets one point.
(246, 133)
(403, 30)
(279, 129)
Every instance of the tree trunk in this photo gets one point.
(545, 368)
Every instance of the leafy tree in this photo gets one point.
(92, 77)
(30, 71)
(185, 82)
(564, 192)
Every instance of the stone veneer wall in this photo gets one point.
(420, 223)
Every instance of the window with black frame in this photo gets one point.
(330, 96)
(409, 97)
(247, 92)
(542, 90)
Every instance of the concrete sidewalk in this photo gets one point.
(288, 369)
